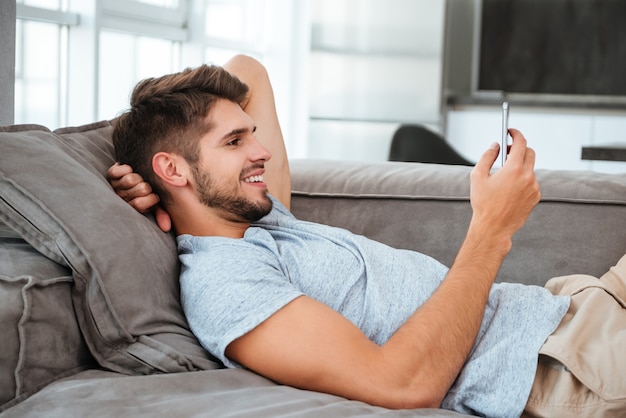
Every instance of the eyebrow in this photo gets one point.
(236, 132)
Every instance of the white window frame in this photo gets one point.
(145, 19)
(39, 14)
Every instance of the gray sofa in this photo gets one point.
(89, 313)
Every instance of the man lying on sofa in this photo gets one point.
(319, 308)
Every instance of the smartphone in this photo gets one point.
(504, 146)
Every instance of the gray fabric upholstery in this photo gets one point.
(41, 341)
(211, 393)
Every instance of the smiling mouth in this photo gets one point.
(253, 179)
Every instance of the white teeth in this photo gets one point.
(253, 179)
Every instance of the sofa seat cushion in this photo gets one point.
(211, 393)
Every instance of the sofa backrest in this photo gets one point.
(578, 227)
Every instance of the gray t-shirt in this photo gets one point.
(230, 286)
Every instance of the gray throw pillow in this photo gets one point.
(41, 341)
(124, 270)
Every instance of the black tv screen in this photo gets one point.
(570, 47)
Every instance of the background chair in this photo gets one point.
(418, 144)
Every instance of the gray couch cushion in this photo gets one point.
(124, 269)
(234, 393)
(41, 341)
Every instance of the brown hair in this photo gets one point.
(168, 114)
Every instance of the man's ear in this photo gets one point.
(170, 168)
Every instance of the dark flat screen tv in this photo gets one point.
(553, 47)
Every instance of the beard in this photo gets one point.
(229, 201)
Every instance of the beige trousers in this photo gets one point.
(582, 365)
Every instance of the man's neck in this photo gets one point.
(200, 220)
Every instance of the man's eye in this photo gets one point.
(234, 142)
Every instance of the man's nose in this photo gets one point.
(260, 152)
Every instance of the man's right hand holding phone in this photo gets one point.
(503, 200)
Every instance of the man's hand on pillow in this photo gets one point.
(131, 187)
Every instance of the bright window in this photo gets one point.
(126, 59)
(38, 77)
(234, 20)
(231, 27)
